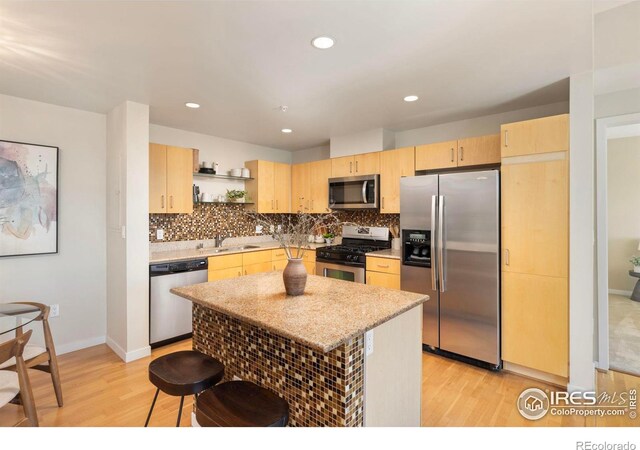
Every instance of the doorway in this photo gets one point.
(618, 216)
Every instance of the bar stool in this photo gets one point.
(241, 404)
(183, 373)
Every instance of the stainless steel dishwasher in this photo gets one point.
(170, 315)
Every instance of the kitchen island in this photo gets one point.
(312, 349)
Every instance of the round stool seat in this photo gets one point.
(241, 404)
(185, 373)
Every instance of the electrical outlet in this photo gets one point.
(160, 234)
(259, 229)
(368, 342)
(54, 310)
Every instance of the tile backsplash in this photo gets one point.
(230, 220)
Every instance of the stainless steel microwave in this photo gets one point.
(362, 192)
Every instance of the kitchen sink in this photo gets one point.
(227, 249)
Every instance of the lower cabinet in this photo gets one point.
(535, 318)
(383, 272)
(239, 264)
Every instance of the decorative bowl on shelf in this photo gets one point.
(206, 170)
(235, 172)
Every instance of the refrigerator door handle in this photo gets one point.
(441, 274)
(434, 258)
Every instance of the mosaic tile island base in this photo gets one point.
(310, 349)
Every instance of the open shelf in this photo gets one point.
(223, 177)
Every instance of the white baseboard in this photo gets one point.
(620, 292)
(79, 345)
(128, 356)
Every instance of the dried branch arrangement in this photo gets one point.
(292, 231)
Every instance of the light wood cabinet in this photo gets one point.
(474, 151)
(225, 266)
(544, 135)
(319, 174)
(224, 274)
(257, 257)
(300, 187)
(386, 280)
(480, 150)
(270, 189)
(385, 265)
(350, 166)
(282, 187)
(535, 247)
(170, 179)
(310, 266)
(535, 218)
(535, 317)
(257, 268)
(394, 164)
(310, 186)
(157, 178)
(440, 155)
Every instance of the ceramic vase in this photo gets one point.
(295, 277)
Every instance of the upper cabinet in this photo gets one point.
(440, 155)
(170, 179)
(473, 151)
(394, 164)
(270, 189)
(310, 186)
(350, 166)
(545, 135)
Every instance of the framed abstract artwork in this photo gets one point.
(28, 199)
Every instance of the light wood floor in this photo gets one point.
(100, 390)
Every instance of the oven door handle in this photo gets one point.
(364, 191)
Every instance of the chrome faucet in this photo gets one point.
(218, 240)
(200, 246)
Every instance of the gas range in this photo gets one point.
(356, 242)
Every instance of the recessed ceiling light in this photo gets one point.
(287, 130)
(411, 98)
(192, 105)
(322, 42)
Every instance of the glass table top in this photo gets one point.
(14, 315)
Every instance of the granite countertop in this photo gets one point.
(328, 314)
(192, 253)
(388, 253)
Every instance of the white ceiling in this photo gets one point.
(242, 59)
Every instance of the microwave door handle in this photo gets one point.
(364, 192)
(434, 258)
(441, 250)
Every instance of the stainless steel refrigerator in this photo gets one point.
(450, 250)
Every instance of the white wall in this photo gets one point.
(75, 278)
(365, 141)
(128, 190)
(311, 154)
(475, 127)
(623, 167)
(617, 103)
(228, 153)
(582, 282)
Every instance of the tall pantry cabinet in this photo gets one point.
(535, 247)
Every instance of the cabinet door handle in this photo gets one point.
(239, 273)
(383, 267)
(452, 154)
(272, 205)
(461, 153)
(277, 205)
(245, 272)
(162, 202)
(506, 138)
(350, 167)
(356, 166)
(382, 203)
(171, 201)
(311, 204)
(506, 257)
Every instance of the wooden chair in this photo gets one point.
(17, 383)
(40, 358)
